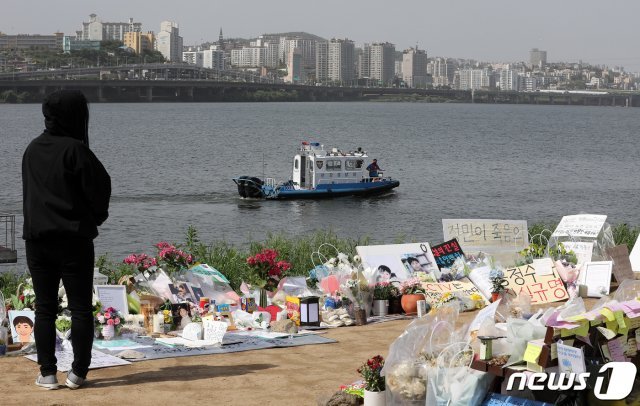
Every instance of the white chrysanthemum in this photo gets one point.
(61, 292)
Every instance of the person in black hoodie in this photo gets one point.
(66, 193)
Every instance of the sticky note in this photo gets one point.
(612, 325)
(607, 313)
(608, 334)
(619, 315)
(583, 330)
(554, 351)
(532, 353)
(596, 323)
(616, 350)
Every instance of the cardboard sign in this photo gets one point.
(580, 225)
(597, 277)
(500, 238)
(621, 264)
(446, 253)
(435, 291)
(402, 260)
(541, 288)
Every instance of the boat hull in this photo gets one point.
(335, 190)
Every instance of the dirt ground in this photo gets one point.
(283, 376)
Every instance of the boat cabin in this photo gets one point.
(314, 166)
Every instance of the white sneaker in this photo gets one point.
(47, 382)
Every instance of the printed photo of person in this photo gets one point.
(385, 275)
(181, 293)
(418, 262)
(22, 322)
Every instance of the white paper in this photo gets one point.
(113, 296)
(543, 266)
(187, 343)
(570, 359)
(480, 277)
(192, 331)
(118, 345)
(634, 256)
(487, 312)
(580, 225)
(98, 360)
(583, 250)
(214, 330)
(597, 277)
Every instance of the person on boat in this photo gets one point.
(373, 169)
(66, 193)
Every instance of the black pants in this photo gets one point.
(72, 261)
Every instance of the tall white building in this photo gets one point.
(169, 41)
(96, 30)
(341, 64)
(443, 71)
(414, 68)
(382, 62)
(248, 57)
(295, 71)
(322, 61)
(474, 79)
(509, 79)
(209, 58)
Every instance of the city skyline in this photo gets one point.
(494, 31)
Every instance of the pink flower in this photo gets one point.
(107, 315)
(110, 322)
(116, 321)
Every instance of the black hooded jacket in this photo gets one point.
(66, 190)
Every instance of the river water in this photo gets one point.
(171, 166)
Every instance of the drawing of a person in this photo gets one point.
(24, 329)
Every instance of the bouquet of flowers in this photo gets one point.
(172, 258)
(109, 317)
(25, 297)
(370, 371)
(268, 270)
(383, 291)
(141, 262)
(411, 286)
(498, 281)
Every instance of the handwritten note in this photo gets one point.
(580, 225)
(582, 249)
(463, 287)
(533, 351)
(475, 233)
(541, 288)
(113, 296)
(214, 330)
(616, 350)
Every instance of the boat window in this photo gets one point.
(333, 164)
(295, 164)
(310, 166)
(352, 164)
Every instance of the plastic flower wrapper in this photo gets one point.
(414, 352)
(569, 274)
(519, 333)
(628, 290)
(452, 382)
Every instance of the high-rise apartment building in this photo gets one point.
(474, 79)
(139, 41)
(295, 71)
(169, 41)
(339, 62)
(414, 67)
(96, 30)
(382, 63)
(509, 79)
(307, 49)
(443, 71)
(248, 57)
(537, 58)
(322, 61)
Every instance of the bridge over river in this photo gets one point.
(177, 82)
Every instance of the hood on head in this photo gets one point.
(66, 114)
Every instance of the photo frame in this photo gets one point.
(597, 277)
(400, 260)
(178, 313)
(113, 296)
(22, 324)
(183, 292)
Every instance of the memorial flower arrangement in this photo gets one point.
(383, 291)
(498, 281)
(109, 317)
(370, 372)
(141, 262)
(172, 259)
(267, 269)
(25, 296)
(411, 286)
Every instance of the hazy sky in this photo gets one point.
(598, 32)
